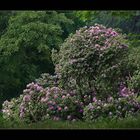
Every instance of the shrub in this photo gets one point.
(132, 62)
(132, 66)
(134, 81)
(90, 60)
(38, 103)
(115, 108)
(62, 105)
(10, 109)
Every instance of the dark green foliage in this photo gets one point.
(4, 17)
(132, 66)
(25, 47)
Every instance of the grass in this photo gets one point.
(49, 124)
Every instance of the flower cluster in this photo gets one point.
(10, 109)
(7, 111)
(47, 80)
(61, 104)
(126, 104)
(38, 103)
(126, 92)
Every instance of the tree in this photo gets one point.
(4, 17)
(25, 47)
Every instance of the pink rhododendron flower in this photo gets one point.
(69, 117)
(51, 108)
(42, 100)
(59, 108)
(21, 114)
(50, 102)
(39, 88)
(27, 98)
(63, 96)
(55, 96)
(65, 108)
(68, 95)
(96, 37)
(110, 99)
(85, 96)
(94, 99)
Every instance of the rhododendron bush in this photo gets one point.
(90, 60)
(90, 81)
(38, 103)
(124, 105)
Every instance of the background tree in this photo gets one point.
(25, 46)
(4, 17)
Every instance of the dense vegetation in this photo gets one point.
(79, 66)
(25, 46)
